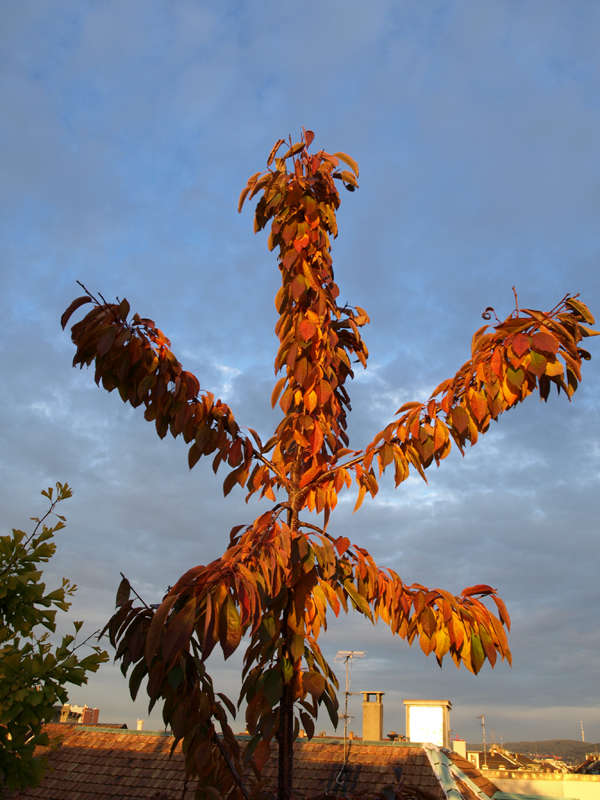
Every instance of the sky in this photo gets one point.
(128, 131)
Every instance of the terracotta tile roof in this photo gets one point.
(318, 766)
(114, 764)
(467, 768)
(591, 766)
(96, 764)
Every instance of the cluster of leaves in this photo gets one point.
(33, 674)
(267, 569)
(317, 338)
(508, 363)
(135, 358)
(279, 576)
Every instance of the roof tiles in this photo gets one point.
(110, 764)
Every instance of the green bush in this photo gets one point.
(34, 672)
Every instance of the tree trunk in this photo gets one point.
(285, 777)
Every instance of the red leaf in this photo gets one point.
(300, 244)
(314, 683)
(106, 341)
(156, 626)
(301, 371)
(479, 405)
(298, 287)
(481, 589)
(194, 455)
(179, 630)
(309, 475)
(307, 329)
(520, 344)
(427, 620)
(460, 419)
(124, 309)
(80, 301)
(323, 390)
(342, 544)
(545, 343)
(497, 361)
(123, 593)
(262, 753)
(504, 617)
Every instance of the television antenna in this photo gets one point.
(482, 723)
(347, 656)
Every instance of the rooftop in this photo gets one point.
(95, 763)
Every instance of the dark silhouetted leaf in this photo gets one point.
(77, 303)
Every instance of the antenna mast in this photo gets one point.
(482, 723)
(347, 656)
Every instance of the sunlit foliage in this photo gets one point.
(280, 576)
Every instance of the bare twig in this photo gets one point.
(232, 769)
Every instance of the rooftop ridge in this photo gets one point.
(448, 772)
(120, 731)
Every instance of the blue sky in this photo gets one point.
(127, 133)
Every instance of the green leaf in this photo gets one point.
(273, 687)
(477, 652)
(359, 601)
(230, 629)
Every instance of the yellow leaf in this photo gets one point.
(277, 390)
(347, 160)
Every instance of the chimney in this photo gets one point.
(428, 721)
(372, 716)
(460, 746)
(140, 724)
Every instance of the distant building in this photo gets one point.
(82, 715)
(591, 765)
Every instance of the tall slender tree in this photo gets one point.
(279, 576)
